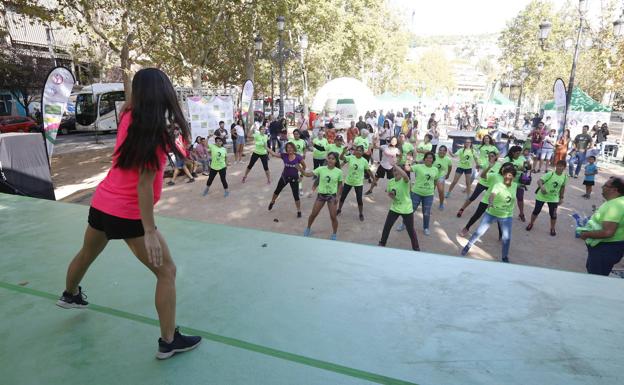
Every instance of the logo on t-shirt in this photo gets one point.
(355, 166)
(508, 200)
(328, 179)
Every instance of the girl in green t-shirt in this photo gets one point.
(522, 164)
(444, 165)
(485, 149)
(551, 188)
(467, 157)
(423, 148)
(500, 210)
(491, 167)
(425, 177)
(218, 165)
(358, 166)
(399, 191)
(260, 152)
(329, 186)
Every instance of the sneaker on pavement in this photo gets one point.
(427, 232)
(441, 207)
(447, 194)
(505, 259)
(361, 218)
(333, 237)
(226, 194)
(180, 343)
(205, 191)
(400, 227)
(70, 301)
(307, 232)
(463, 232)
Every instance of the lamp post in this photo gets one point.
(523, 75)
(303, 45)
(280, 57)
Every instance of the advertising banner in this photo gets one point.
(559, 90)
(205, 112)
(246, 98)
(56, 91)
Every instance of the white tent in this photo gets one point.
(348, 97)
(583, 111)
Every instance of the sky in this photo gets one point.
(465, 17)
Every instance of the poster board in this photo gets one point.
(205, 112)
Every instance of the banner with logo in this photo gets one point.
(247, 98)
(56, 91)
(559, 90)
(205, 112)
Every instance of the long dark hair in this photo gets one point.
(155, 114)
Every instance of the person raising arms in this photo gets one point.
(293, 166)
(358, 165)
(260, 152)
(123, 203)
(399, 191)
(444, 165)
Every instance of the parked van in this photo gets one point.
(97, 106)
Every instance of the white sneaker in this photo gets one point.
(427, 232)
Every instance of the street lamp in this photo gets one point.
(545, 28)
(258, 44)
(618, 26)
(303, 45)
(281, 21)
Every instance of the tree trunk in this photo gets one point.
(124, 57)
(196, 75)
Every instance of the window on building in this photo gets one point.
(6, 105)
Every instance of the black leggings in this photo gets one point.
(552, 208)
(214, 173)
(433, 148)
(318, 163)
(408, 220)
(478, 190)
(346, 189)
(263, 158)
(294, 186)
(475, 217)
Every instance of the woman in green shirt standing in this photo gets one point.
(301, 146)
(467, 158)
(500, 209)
(423, 148)
(607, 248)
(260, 152)
(329, 186)
(444, 165)
(218, 165)
(522, 164)
(320, 145)
(423, 188)
(399, 191)
(358, 165)
(551, 188)
(483, 183)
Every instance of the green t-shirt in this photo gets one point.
(443, 165)
(504, 200)
(423, 147)
(332, 147)
(494, 170)
(402, 202)
(318, 154)
(359, 141)
(218, 155)
(553, 184)
(357, 168)
(492, 180)
(406, 148)
(260, 141)
(611, 211)
(466, 158)
(328, 179)
(519, 165)
(424, 183)
(300, 145)
(484, 151)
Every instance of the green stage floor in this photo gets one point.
(297, 311)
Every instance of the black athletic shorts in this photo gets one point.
(588, 182)
(115, 227)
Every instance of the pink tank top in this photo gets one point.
(117, 194)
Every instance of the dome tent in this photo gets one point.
(348, 97)
(583, 111)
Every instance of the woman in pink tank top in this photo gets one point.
(123, 203)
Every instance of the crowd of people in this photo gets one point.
(392, 146)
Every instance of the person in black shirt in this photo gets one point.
(275, 128)
(361, 124)
(582, 142)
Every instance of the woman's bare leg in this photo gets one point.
(94, 242)
(165, 284)
(318, 205)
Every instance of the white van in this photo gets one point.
(97, 106)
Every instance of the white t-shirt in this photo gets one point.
(398, 121)
(389, 156)
(239, 130)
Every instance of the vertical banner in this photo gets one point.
(247, 113)
(559, 90)
(56, 91)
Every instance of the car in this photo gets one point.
(16, 124)
(67, 124)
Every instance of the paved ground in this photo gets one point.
(247, 207)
